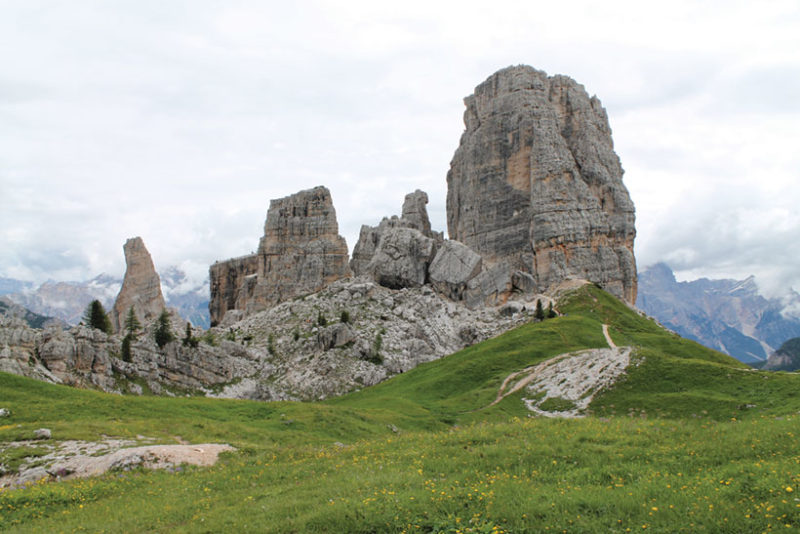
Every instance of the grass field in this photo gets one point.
(689, 441)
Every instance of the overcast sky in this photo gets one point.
(179, 120)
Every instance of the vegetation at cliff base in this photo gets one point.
(689, 441)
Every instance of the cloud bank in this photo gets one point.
(179, 121)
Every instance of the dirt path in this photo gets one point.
(608, 337)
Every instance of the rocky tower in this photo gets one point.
(141, 287)
(535, 181)
(301, 252)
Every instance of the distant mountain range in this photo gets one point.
(68, 300)
(727, 315)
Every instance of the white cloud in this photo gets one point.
(180, 121)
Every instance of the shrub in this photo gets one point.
(345, 317)
(321, 320)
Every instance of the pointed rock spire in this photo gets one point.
(141, 288)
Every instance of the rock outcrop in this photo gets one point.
(398, 252)
(141, 288)
(301, 252)
(535, 182)
(453, 267)
(231, 284)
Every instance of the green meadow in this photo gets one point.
(689, 441)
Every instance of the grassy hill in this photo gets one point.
(691, 440)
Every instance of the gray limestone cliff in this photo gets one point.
(301, 252)
(535, 182)
(141, 288)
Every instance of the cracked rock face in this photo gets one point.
(141, 288)
(301, 252)
(398, 251)
(535, 182)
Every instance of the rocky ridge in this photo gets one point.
(352, 334)
(731, 316)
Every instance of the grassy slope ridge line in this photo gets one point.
(337, 466)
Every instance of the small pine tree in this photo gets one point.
(132, 324)
(96, 317)
(321, 320)
(345, 317)
(539, 313)
(551, 313)
(187, 338)
(126, 348)
(162, 334)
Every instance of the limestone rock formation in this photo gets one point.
(415, 214)
(453, 267)
(301, 252)
(398, 251)
(535, 182)
(231, 284)
(402, 258)
(141, 288)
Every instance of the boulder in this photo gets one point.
(535, 182)
(454, 265)
(336, 335)
(402, 258)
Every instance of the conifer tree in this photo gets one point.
(96, 317)
(132, 324)
(551, 313)
(539, 313)
(163, 334)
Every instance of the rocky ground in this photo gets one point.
(353, 334)
(568, 382)
(79, 459)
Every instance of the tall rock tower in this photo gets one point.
(535, 182)
(301, 252)
(141, 288)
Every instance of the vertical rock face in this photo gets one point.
(141, 288)
(301, 252)
(231, 284)
(535, 182)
